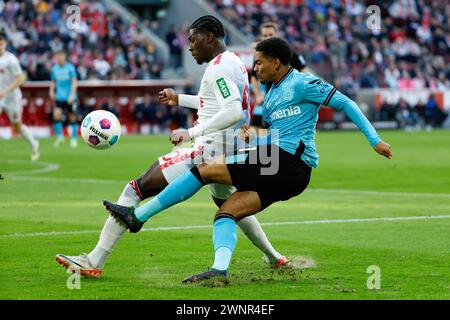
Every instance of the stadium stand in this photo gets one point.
(412, 50)
(104, 47)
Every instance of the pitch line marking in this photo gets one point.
(47, 167)
(266, 224)
(348, 191)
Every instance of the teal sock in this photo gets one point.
(74, 127)
(225, 239)
(182, 188)
(58, 127)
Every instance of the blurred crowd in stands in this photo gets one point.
(102, 46)
(410, 51)
(426, 114)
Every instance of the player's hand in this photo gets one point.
(179, 136)
(384, 149)
(246, 133)
(52, 95)
(70, 100)
(169, 97)
(259, 99)
(2, 95)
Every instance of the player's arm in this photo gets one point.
(73, 87)
(19, 79)
(256, 87)
(322, 93)
(171, 98)
(51, 90)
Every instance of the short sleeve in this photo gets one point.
(225, 89)
(16, 69)
(73, 72)
(52, 74)
(316, 91)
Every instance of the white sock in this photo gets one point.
(112, 230)
(252, 229)
(26, 133)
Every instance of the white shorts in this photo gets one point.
(180, 161)
(13, 108)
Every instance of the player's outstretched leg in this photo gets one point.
(255, 233)
(79, 263)
(238, 206)
(26, 134)
(147, 185)
(91, 265)
(74, 130)
(182, 188)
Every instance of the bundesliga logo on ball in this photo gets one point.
(100, 129)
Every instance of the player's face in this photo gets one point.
(264, 67)
(198, 46)
(60, 58)
(2, 46)
(267, 33)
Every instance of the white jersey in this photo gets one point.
(225, 80)
(9, 70)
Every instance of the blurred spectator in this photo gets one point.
(407, 116)
(145, 112)
(335, 39)
(85, 107)
(388, 112)
(434, 116)
(111, 106)
(175, 47)
(102, 47)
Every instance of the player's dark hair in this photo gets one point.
(209, 24)
(3, 35)
(276, 48)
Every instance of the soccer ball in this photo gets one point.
(100, 129)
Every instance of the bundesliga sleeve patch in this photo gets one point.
(221, 83)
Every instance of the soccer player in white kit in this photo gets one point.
(11, 77)
(222, 104)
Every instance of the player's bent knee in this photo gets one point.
(218, 202)
(152, 181)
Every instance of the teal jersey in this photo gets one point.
(63, 76)
(291, 109)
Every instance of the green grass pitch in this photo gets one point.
(46, 209)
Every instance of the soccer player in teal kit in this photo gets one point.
(63, 90)
(291, 109)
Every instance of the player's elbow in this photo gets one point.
(235, 113)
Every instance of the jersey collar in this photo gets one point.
(214, 60)
(284, 77)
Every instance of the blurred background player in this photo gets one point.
(298, 62)
(63, 91)
(11, 77)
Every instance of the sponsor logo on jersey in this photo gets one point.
(221, 83)
(288, 112)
